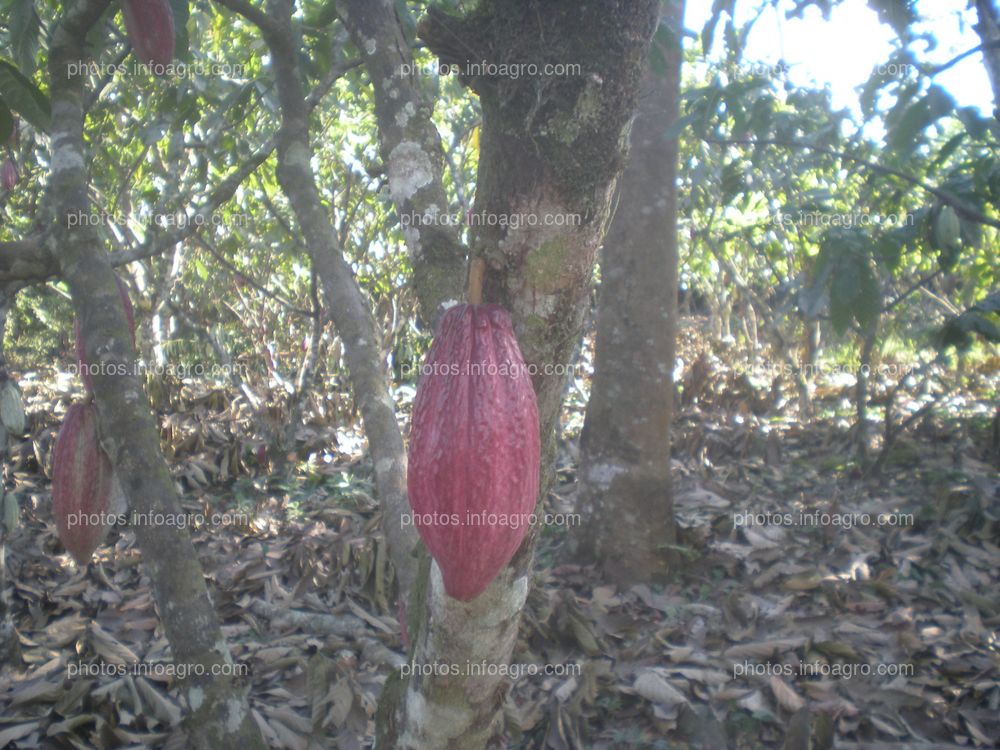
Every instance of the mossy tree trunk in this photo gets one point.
(552, 147)
(624, 475)
(219, 715)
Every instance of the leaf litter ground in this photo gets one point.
(783, 629)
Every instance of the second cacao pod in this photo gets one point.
(474, 448)
(81, 483)
(8, 175)
(150, 27)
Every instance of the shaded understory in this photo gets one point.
(781, 625)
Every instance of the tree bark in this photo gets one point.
(624, 476)
(412, 152)
(552, 148)
(347, 305)
(988, 29)
(10, 643)
(219, 714)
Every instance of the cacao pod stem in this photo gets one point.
(477, 272)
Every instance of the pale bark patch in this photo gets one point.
(409, 170)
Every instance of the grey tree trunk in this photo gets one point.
(348, 307)
(624, 476)
(10, 644)
(219, 715)
(411, 151)
(988, 29)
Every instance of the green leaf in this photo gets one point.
(6, 122)
(732, 182)
(22, 96)
(889, 248)
(920, 115)
(975, 124)
(840, 306)
(25, 30)
(323, 16)
(854, 288)
(406, 20)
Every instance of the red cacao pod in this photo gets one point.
(81, 483)
(474, 448)
(8, 175)
(81, 356)
(150, 27)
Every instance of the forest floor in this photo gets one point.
(845, 628)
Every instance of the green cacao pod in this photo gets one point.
(948, 228)
(81, 483)
(474, 448)
(150, 28)
(12, 408)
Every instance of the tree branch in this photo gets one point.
(411, 147)
(219, 713)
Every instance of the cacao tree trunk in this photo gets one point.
(862, 393)
(10, 644)
(219, 715)
(411, 151)
(551, 149)
(624, 488)
(349, 310)
(988, 29)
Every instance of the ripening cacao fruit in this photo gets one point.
(474, 448)
(81, 356)
(150, 27)
(81, 483)
(8, 174)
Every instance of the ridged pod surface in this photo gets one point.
(150, 27)
(81, 358)
(8, 175)
(474, 448)
(81, 483)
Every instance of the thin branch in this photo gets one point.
(912, 288)
(933, 70)
(250, 282)
(257, 16)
